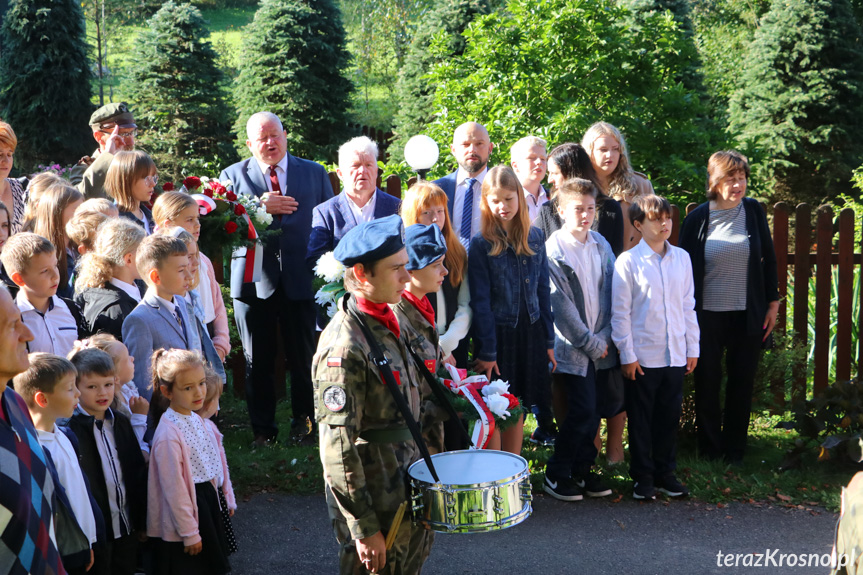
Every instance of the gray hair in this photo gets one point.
(358, 145)
(260, 118)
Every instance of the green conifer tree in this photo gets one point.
(45, 81)
(799, 109)
(178, 96)
(292, 64)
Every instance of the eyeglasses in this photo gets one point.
(152, 180)
(124, 135)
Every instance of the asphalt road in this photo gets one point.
(291, 534)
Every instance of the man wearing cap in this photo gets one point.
(365, 445)
(114, 129)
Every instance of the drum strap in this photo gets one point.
(383, 364)
(439, 393)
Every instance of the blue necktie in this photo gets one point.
(467, 213)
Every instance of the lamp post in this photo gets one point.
(421, 153)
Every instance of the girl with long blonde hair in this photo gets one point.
(426, 203)
(510, 296)
(55, 209)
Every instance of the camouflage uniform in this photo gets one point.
(365, 446)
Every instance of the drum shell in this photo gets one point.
(471, 507)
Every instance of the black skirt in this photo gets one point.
(169, 557)
(522, 358)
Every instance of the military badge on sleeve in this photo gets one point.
(335, 398)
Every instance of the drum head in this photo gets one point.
(470, 467)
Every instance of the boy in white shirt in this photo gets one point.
(48, 387)
(654, 327)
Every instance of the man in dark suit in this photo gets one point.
(360, 202)
(471, 148)
(290, 188)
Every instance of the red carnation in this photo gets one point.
(239, 210)
(192, 183)
(168, 187)
(208, 193)
(513, 401)
(230, 227)
(218, 188)
(231, 196)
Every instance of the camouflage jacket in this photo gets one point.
(423, 338)
(364, 469)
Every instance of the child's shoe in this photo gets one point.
(644, 490)
(592, 486)
(670, 486)
(564, 489)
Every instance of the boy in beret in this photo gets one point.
(366, 447)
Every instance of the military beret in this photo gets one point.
(371, 241)
(114, 113)
(425, 245)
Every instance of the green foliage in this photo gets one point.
(833, 421)
(799, 110)
(176, 91)
(555, 67)
(415, 92)
(45, 81)
(293, 63)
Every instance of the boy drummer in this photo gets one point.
(366, 447)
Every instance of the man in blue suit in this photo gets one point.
(360, 202)
(290, 188)
(471, 148)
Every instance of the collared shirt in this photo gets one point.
(585, 261)
(460, 191)
(653, 301)
(169, 305)
(55, 331)
(365, 213)
(103, 432)
(72, 478)
(535, 202)
(281, 173)
(130, 289)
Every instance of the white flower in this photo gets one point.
(205, 179)
(263, 216)
(498, 404)
(332, 308)
(329, 268)
(227, 183)
(323, 298)
(497, 386)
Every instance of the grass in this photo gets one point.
(293, 469)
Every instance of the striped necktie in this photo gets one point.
(467, 213)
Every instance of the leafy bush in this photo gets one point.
(833, 421)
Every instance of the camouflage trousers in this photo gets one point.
(406, 557)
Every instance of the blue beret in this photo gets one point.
(371, 241)
(425, 245)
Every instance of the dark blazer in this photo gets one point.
(105, 309)
(131, 463)
(284, 256)
(333, 219)
(447, 184)
(762, 284)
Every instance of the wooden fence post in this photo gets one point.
(780, 246)
(845, 288)
(803, 232)
(823, 279)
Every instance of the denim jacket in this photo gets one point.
(574, 344)
(499, 283)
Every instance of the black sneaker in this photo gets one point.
(563, 489)
(542, 437)
(643, 490)
(592, 485)
(670, 486)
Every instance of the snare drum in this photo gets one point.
(479, 491)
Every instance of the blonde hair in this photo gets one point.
(21, 248)
(503, 178)
(519, 148)
(48, 221)
(37, 187)
(166, 365)
(621, 184)
(126, 169)
(189, 240)
(114, 239)
(422, 196)
(169, 205)
(81, 229)
(214, 386)
(8, 138)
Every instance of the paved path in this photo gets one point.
(291, 534)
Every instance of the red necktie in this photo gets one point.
(274, 182)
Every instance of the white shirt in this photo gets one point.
(535, 202)
(139, 420)
(206, 291)
(204, 459)
(281, 174)
(113, 472)
(585, 261)
(653, 307)
(365, 213)
(55, 331)
(71, 477)
(452, 334)
(460, 191)
(169, 305)
(130, 289)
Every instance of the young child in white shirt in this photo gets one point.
(654, 327)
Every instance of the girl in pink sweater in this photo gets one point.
(187, 465)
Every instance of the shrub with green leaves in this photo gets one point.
(833, 421)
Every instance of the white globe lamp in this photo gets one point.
(421, 154)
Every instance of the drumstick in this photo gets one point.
(397, 522)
